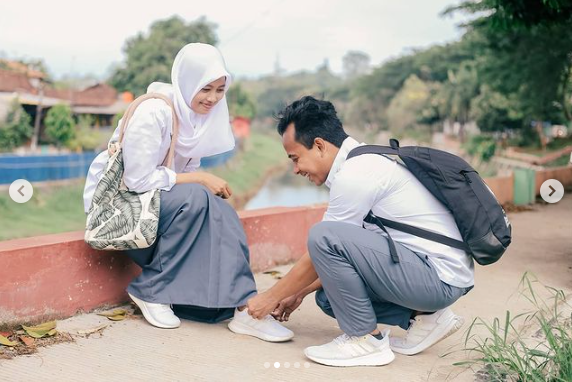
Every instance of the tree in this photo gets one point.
(492, 111)
(16, 129)
(150, 58)
(355, 63)
(60, 125)
(527, 54)
(240, 102)
(516, 14)
(408, 108)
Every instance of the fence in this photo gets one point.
(42, 168)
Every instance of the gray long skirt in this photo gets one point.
(200, 260)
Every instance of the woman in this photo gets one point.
(198, 268)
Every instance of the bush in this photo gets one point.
(60, 125)
(86, 138)
(17, 128)
(481, 146)
(116, 118)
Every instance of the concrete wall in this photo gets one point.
(55, 276)
(502, 187)
(563, 174)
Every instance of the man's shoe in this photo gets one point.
(267, 329)
(159, 315)
(426, 330)
(353, 351)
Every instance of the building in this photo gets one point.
(101, 101)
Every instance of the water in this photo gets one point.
(288, 190)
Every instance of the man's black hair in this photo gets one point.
(312, 118)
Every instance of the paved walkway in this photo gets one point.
(131, 350)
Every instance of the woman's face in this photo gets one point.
(208, 96)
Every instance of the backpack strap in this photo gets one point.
(374, 149)
(174, 130)
(415, 231)
(382, 223)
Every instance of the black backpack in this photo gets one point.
(483, 224)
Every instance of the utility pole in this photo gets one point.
(38, 119)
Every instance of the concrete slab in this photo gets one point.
(133, 350)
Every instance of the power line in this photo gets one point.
(252, 23)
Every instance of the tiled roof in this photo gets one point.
(13, 81)
(99, 95)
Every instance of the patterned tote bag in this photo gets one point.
(119, 219)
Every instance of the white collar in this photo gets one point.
(348, 145)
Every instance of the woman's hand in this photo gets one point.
(218, 186)
(262, 305)
(286, 307)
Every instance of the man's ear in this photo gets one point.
(321, 145)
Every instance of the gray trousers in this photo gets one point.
(362, 286)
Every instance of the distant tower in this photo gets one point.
(278, 69)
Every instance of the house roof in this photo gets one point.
(14, 82)
(99, 95)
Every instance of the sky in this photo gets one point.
(77, 38)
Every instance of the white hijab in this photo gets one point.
(200, 135)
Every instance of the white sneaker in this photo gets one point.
(267, 329)
(159, 315)
(353, 351)
(426, 330)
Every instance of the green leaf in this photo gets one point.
(115, 315)
(42, 330)
(6, 342)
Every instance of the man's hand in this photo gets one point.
(286, 307)
(262, 305)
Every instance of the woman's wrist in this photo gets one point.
(190, 177)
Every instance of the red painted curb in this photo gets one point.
(55, 276)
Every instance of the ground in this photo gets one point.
(132, 350)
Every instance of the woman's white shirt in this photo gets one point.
(145, 146)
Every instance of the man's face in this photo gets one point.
(310, 163)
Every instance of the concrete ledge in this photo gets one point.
(55, 276)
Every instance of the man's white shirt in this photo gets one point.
(386, 187)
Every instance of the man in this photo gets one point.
(350, 265)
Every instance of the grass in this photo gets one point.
(562, 161)
(60, 208)
(51, 210)
(261, 154)
(511, 351)
(552, 146)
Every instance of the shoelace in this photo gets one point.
(165, 307)
(343, 339)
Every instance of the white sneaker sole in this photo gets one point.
(149, 317)
(240, 328)
(375, 359)
(434, 337)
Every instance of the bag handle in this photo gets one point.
(175, 128)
